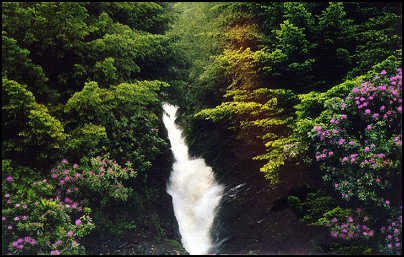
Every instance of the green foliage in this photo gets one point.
(298, 15)
(152, 17)
(84, 139)
(363, 142)
(59, 37)
(127, 113)
(106, 71)
(301, 47)
(28, 128)
(337, 212)
(87, 104)
(311, 108)
(16, 65)
(369, 137)
(259, 116)
(312, 207)
(32, 222)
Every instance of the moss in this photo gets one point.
(173, 243)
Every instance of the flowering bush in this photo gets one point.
(392, 234)
(51, 217)
(352, 226)
(100, 179)
(101, 184)
(359, 142)
(34, 223)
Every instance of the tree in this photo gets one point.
(31, 135)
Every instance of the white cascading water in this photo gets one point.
(194, 191)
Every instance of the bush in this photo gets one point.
(358, 145)
(392, 231)
(35, 223)
(42, 216)
(31, 134)
(311, 207)
(363, 134)
(97, 181)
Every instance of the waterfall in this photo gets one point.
(194, 191)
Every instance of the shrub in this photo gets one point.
(97, 181)
(100, 183)
(35, 223)
(392, 234)
(358, 144)
(359, 140)
(31, 134)
(312, 206)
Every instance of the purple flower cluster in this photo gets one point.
(19, 243)
(367, 97)
(348, 145)
(392, 231)
(104, 174)
(64, 205)
(353, 228)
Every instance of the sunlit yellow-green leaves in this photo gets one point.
(27, 124)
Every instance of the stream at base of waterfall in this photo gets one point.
(194, 191)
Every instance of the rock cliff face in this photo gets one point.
(254, 216)
(257, 219)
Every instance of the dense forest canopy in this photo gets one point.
(307, 89)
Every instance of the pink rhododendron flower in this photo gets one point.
(70, 233)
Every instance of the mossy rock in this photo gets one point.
(173, 243)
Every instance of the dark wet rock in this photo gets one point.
(254, 218)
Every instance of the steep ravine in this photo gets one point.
(253, 217)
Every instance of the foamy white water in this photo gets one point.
(194, 191)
